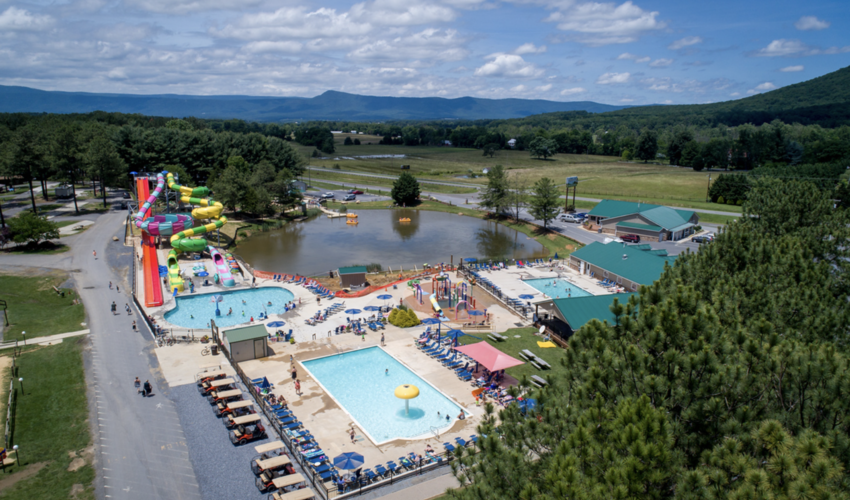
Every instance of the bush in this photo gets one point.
(413, 318)
(721, 200)
(393, 318)
(316, 153)
(404, 317)
(336, 166)
(739, 203)
(730, 202)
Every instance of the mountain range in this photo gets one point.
(330, 105)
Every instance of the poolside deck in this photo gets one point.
(330, 424)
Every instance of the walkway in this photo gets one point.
(45, 340)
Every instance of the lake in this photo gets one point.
(320, 244)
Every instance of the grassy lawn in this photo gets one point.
(34, 307)
(715, 219)
(46, 207)
(599, 176)
(51, 426)
(351, 181)
(44, 248)
(526, 340)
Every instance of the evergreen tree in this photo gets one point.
(405, 189)
(545, 203)
(495, 195)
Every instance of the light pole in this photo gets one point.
(21, 381)
(17, 455)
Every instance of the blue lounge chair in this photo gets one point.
(322, 468)
(474, 438)
(327, 476)
(406, 463)
(370, 476)
(466, 377)
(293, 425)
(287, 420)
(394, 467)
(449, 447)
(381, 470)
(460, 442)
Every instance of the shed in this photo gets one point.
(354, 276)
(249, 342)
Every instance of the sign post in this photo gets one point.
(572, 182)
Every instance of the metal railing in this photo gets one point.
(8, 433)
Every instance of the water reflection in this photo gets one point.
(321, 244)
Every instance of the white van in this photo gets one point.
(569, 218)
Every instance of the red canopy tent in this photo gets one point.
(488, 356)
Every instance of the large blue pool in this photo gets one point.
(195, 311)
(557, 288)
(357, 380)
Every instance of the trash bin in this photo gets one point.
(214, 349)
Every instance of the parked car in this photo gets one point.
(581, 215)
(569, 218)
(125, 195)
(704, 238)
(327, 195)
(631, 238)
(355, 191)
(349, 197)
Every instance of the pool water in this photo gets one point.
(557, 288)
(202, 307)
(357, 381)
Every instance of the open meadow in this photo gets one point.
(599, 176)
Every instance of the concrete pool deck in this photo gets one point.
(330, 424)
(510, 280)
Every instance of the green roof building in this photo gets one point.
(247, 342)
(580, 310)
(650, 222)
(352, 277)
(627, 265)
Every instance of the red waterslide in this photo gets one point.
(150, 262)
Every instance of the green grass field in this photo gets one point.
(352, 181)
(34, 307)
(51, 426)
(599, 176)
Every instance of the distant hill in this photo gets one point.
(824, 100)
(328, 106)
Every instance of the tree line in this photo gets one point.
(103, 148)
(729, 377)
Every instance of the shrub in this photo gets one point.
(730, 202)
(336, 166)
(739, 203)
(413, 318)
(393, 316)
(721, 200)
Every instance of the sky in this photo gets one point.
(633, 52)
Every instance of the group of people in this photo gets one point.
(143, 389)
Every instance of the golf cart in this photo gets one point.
(249, 418)
(223, 408)
(245, 433)
(224, 396)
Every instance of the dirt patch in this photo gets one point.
(26, 473)
(76, 489)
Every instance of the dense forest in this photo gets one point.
(727, 378)
(247, 165)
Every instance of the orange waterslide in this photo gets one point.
(150, 262)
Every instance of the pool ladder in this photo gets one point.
(435, 431)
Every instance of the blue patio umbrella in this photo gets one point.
(430, 321)
(353, 311)
(348, 461)
(203, 274)
(371, 308)
(526, 296)
(385, 296)
(475, 313)
(556, 255)
(276, 324)
(454, 333)
(471, 259)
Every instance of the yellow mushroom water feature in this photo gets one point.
(406, 392)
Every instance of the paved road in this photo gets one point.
(141, 450)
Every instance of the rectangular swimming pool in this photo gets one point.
(557, 288)
(363, 383)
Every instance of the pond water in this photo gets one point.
(320, 244)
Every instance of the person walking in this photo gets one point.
(382, 339)
(138, 384)
(114, 307)
(134, 326)
(127, 308)
(148, 389)
(294, 373)
(94, 252)
(117, 289)
(110, 285)
(297, 387)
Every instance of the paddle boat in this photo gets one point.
(404, 219)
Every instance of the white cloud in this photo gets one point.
(807, 23)
(667, 101)
(15, 19)
(189, 6)
(791, 48)
(573, 91)
(735, 94)
(510, 65)
(529, 48)
(544, 88)
(661, 63)
(518, 88)
(637, 59)
(401, 12)
(429, 45)
(685, 42)
(283, 46)
(294, 22)
(627, 100)
(609, 78)
(792, 69)
(762, 87)
(604, 23)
